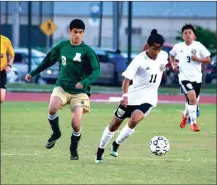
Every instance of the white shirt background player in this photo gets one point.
(189, 69)
(190, 54)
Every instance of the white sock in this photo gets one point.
(186, 113)
(192, 109)
(106, 136)
(125, 132)
(76, 133)
(52, 117)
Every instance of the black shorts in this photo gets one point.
(3, 79)
(126, 112)
(188, 86)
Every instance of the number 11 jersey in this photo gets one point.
(146, 75)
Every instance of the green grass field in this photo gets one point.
(24, 159)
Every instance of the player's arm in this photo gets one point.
(50, 59)
(10, 52)
(173, 60)
(129, 75)
(94, 62)
(205, 56)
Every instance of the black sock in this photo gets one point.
(74, 142)
(55, 125)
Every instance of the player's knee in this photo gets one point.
(113, 127)
(52, 110)
(192, 98)
(136, 117)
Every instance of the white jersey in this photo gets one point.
(146, 75)
(188, 69)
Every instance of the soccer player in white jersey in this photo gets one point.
(138, 99)
(190, 54)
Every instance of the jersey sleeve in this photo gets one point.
(50, 59)
(131, 70)
(173, 52)
(204, 52)
(94, 62)
(10, 49)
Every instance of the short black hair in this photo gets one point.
(77, 23)
(189, 26)
(155, 38)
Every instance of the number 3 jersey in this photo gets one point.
(146, 75)
(189, 70)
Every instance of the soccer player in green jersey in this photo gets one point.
(79, 69)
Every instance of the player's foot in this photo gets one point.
(183, 121)
(51, 142)
(99, 155)
(114, 149)
(74, 154)
(195, 127)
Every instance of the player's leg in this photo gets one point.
(3, 93)
(57, 100)
(137, 115)
(80, 104)
(197, 87)
(120, 115)
(3, 79)
(198, 108)
(106, 137)
(185, 114)
(192, 103)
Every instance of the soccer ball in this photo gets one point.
(159, 145)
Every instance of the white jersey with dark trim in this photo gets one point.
(146, 75)
(188, 69)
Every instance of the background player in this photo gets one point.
(7, 59)
(191, 54)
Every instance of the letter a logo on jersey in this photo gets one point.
(63, 60)
(77, 57)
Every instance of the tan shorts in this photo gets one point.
(72, 99)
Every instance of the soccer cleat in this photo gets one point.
(51, 142)
(99, 155)
(195, 127)
(74, 154)
(114, 149)
(183, 121)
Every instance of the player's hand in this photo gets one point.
(195, 58)
(175, 67)
(79, 85)
(28, 77)
(8, 69)
(124, 101)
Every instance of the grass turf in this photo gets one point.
(25, 160)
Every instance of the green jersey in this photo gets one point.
(78, 63)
